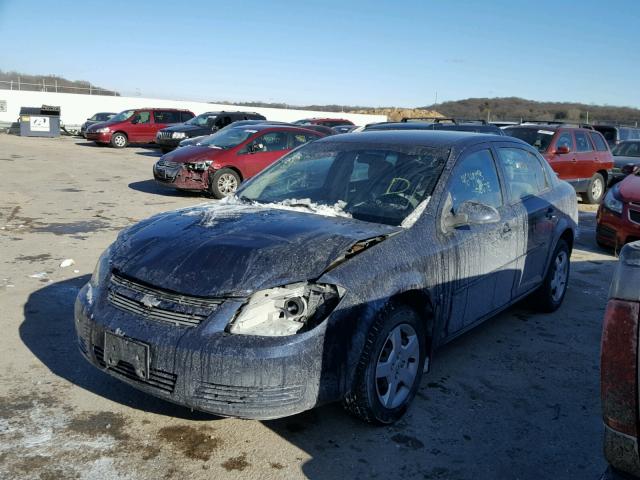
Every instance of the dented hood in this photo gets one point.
(192, 153)
(238, 251)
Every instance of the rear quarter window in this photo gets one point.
(598, 141)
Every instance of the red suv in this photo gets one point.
(136, 126)
(228, 157)
(578, 155)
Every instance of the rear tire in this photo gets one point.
(390, 368)
(119, 140)
(550, 295)
(595, 190)
(223, 183)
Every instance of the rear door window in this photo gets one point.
(523, 173)
(166, 116)
(582, 142)
(598, 141)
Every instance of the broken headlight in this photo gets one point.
(612, 201)
(286, 310)
(103, 267)
(199, 165)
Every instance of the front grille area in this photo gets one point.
(217, 395)
(159, 305)
(164, 135)
(159, 379)
(634, 216)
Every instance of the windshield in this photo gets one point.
(228, 138)
(201, 120)
(103, 117)
(373, 183)
(627, 149)
(536, 137)
(122, 116)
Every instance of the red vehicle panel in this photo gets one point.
(619, 365)
(246, 151)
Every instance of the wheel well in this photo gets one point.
(567, 236)
(604, 175)
(123, 133)
(421, 302)
(228, 167)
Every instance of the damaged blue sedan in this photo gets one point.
(334, 275)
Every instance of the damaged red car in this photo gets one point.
(222, 161)
(619, 214)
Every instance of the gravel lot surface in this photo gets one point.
(516, 398)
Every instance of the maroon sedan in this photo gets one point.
(619, 214)
(221, 162)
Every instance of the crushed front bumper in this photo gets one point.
(205, 368)
(181, 178)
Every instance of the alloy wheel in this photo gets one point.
(397, 366)
(227, 184)
(560, 274)
(596, 189)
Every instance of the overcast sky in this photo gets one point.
(370, 53)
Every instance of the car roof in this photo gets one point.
(274, 126)
(160, 108)
(425, 138)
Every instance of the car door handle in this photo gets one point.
(550, 213)
(574, 159)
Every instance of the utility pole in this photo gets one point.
(436, 102)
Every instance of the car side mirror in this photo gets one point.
(629, 168)
(135, 120)
(256, 147)
(472, 213)
(563, 149)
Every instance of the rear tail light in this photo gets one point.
(619, 349)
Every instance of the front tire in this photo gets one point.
(390, 368)
(550, 295)
(119, 140)
(595, 190)
(223, 183)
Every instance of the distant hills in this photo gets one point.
(49, 83)
(493, 109)
(514, 108)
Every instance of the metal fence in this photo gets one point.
(55, 87)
